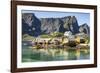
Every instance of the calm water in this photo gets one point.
(30, 54)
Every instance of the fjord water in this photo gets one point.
(30, 54)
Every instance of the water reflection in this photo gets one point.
(53, 53)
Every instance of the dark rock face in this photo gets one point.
(33, 26)
(49, 25)
(84, 29)
(30, 24)
(69, 23)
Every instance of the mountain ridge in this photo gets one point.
(36, 26)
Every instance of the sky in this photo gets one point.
(81, 17)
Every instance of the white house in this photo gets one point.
(68, 33)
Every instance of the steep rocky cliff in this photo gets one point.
(31, 24)
(36, 26)
(49, 25)
(84, 28)
(71, 24)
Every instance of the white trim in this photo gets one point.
(53, 63)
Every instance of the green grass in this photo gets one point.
(26, 37)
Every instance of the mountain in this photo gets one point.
(36, 26)
(71, 24)
(31, 24)
(49, 25)
(84, 28)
